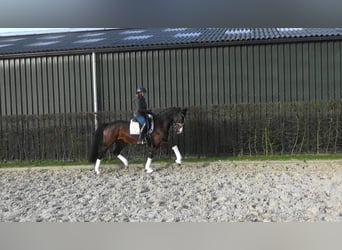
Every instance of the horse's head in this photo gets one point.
(178, 120)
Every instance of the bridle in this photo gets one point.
(179, 124)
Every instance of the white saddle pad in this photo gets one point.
(134, 128)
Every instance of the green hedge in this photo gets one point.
(242, 129)
(266, 129)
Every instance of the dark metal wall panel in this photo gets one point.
(306, 72)
(312, 73)
(168, 79)
(318, 71)
(337, 55)
(222, 75)
(2, 88)
(46, 85)
(173, 77)
(245, 87)
(197, 78)
(184, 77)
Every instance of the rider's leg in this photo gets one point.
(142, 135)
(142, 121)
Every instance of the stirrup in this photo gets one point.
(141, 140)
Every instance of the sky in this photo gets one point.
(29, 31)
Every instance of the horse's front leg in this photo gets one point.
(149, 160)
(178, 155)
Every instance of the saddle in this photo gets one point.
(134, 126)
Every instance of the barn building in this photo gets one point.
(248, 90)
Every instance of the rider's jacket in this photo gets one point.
(140, 106)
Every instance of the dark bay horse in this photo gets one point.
(118, 132)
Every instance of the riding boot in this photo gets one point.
(142, 136)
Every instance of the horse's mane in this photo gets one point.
(168, 112)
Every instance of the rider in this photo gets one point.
(140, 112)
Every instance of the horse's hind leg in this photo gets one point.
(118, 147)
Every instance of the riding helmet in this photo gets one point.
(141, 89)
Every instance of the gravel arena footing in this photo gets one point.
(221, 191)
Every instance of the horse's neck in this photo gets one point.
(166, 119)
(165, 122)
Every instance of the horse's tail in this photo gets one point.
(93, 156)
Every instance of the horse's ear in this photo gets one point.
(184, 111)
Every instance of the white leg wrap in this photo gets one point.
(148, 166)
(97, 166)
(123, 159)
(178, 155)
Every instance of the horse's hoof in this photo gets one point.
(149, 170)
(179, 162)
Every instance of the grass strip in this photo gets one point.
(300, 157)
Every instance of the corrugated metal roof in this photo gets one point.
(129, 38)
